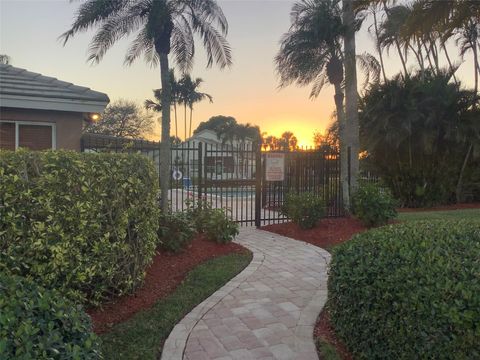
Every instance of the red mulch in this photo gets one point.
(165, 273)
(324, 330)
(328, 232)
(444, 207)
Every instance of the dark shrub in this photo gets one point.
(198, 212)
(409, 291)
(373, 204)
(85, 224)
(219, 227)
(36, 323)
(305, 209)
(175, 231)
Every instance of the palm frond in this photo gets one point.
(183, 44)
(142, 44)
(91, 13)
(152, 105)
(370, 67)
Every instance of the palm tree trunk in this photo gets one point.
(402, 59)
(428, 56)
(419, 59)
(343, 145)
(351, 94)
(185, 119)
(379, 49)
(450, 65)
(458, 192)
(165, 142)
(176, 123)
(191, 116)
(476, 65)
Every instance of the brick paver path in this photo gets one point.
(268, 311)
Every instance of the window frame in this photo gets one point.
(34, 123)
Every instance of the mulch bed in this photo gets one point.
(329, 232)
(165, 273)
(324, 330)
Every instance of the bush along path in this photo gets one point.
(267, 311)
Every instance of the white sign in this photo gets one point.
(177, 175)
(275, 166)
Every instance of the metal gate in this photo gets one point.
(234, 176)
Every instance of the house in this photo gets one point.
(40, 112)
(233, 159)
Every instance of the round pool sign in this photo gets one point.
(177, 175)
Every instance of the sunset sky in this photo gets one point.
(248, 91)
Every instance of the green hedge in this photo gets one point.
(36, 323)
(81, 223)
(409, 291)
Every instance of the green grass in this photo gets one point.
(326, 351)
(142, 336)
(440, 215)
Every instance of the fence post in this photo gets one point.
(200, 169)
(258, 184)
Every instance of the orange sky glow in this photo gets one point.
(248, 91)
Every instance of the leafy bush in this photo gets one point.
(408, 291)
(36, 323)
(175, 231)
(219, 227)
(85, 224)
(373, 204)
(305, 209)
(215, 223)
(199, 212)
(416, 131)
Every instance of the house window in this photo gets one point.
(7, 136)
(31, 135)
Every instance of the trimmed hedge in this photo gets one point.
(36, 323)
(85, 224)
(409, 291)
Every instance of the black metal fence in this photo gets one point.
(234, 176)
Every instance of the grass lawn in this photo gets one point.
(327, 351)
(142, 336)
(439, 215)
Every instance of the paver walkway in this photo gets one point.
(268, 311)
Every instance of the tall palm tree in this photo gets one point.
(156, 105)
(351, 95)
(162, 27)
(189, 95)
(311, 52)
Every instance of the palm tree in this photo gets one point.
(311, 52)
(389, 32)
(161, 27)
(156, 105)
(351, 96)
(288, 141)
(189, 96)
